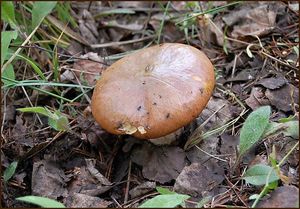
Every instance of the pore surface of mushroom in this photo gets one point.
(154, 91)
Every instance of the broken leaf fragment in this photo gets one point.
(128, 128)
(142, 130)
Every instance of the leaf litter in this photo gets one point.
(89, 167)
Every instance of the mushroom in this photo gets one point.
(153, 92)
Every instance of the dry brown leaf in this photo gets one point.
(273, 83)
(284, 97)
(257, 98)
(282, 197)
(67, 30)
(78, 200)
(48, 180)
(89, 70)
(160, 164)
(251, 20)
(199, 179)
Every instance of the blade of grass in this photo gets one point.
(34, 66)
(162, 23)
(42, 83)
(208, 11)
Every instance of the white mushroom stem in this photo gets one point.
(168, 139)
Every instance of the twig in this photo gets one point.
(128, 183)
(139, 199)
(117, 43)
(210, 154)
(19, 49)
(294, 68)
(60, 54)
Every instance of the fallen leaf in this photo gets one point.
(282, 197)
(78, 200)
(19, 131)
(131, 4)
(89, 181)
(257, 98)
(87, 27)
(228, 145)
(160, 164)
(10, 113)
(244, 75)
(48, 180)
(142, 189)
(68, 31)
(273, 83)
(169, 32)
(137, 25)
(251, 19)
(88, 70)
(197, 179)
(284, 97)
(223, 115)
(210, 146)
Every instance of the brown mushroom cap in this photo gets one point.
(154, 91)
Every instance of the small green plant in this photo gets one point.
(10, 171)
(166, 199)
(55, 119)
(41, 201)
(255, 128)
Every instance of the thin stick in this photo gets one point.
(38, 117)
(294, 68)
(19, 49)
(128, 183)
(117, 43)
(210, 154)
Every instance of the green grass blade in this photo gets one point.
(41, 201)
(40, 10)
(8, 13)
(10, 171)
(40, 110)
(34, 66)
(6, 37)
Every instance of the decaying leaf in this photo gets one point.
(67, 30)
(199, 179)
(282, 197)
(89, 181)
(257, 98)
(87, 70)
(273, 83)
(87, 27)
(142, 189)
(224, 113)
(284, 97)
(48, 180)
(160, 164)
(128, 128)
(252, 20)
(78, 200)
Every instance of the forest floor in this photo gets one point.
(254, 47)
